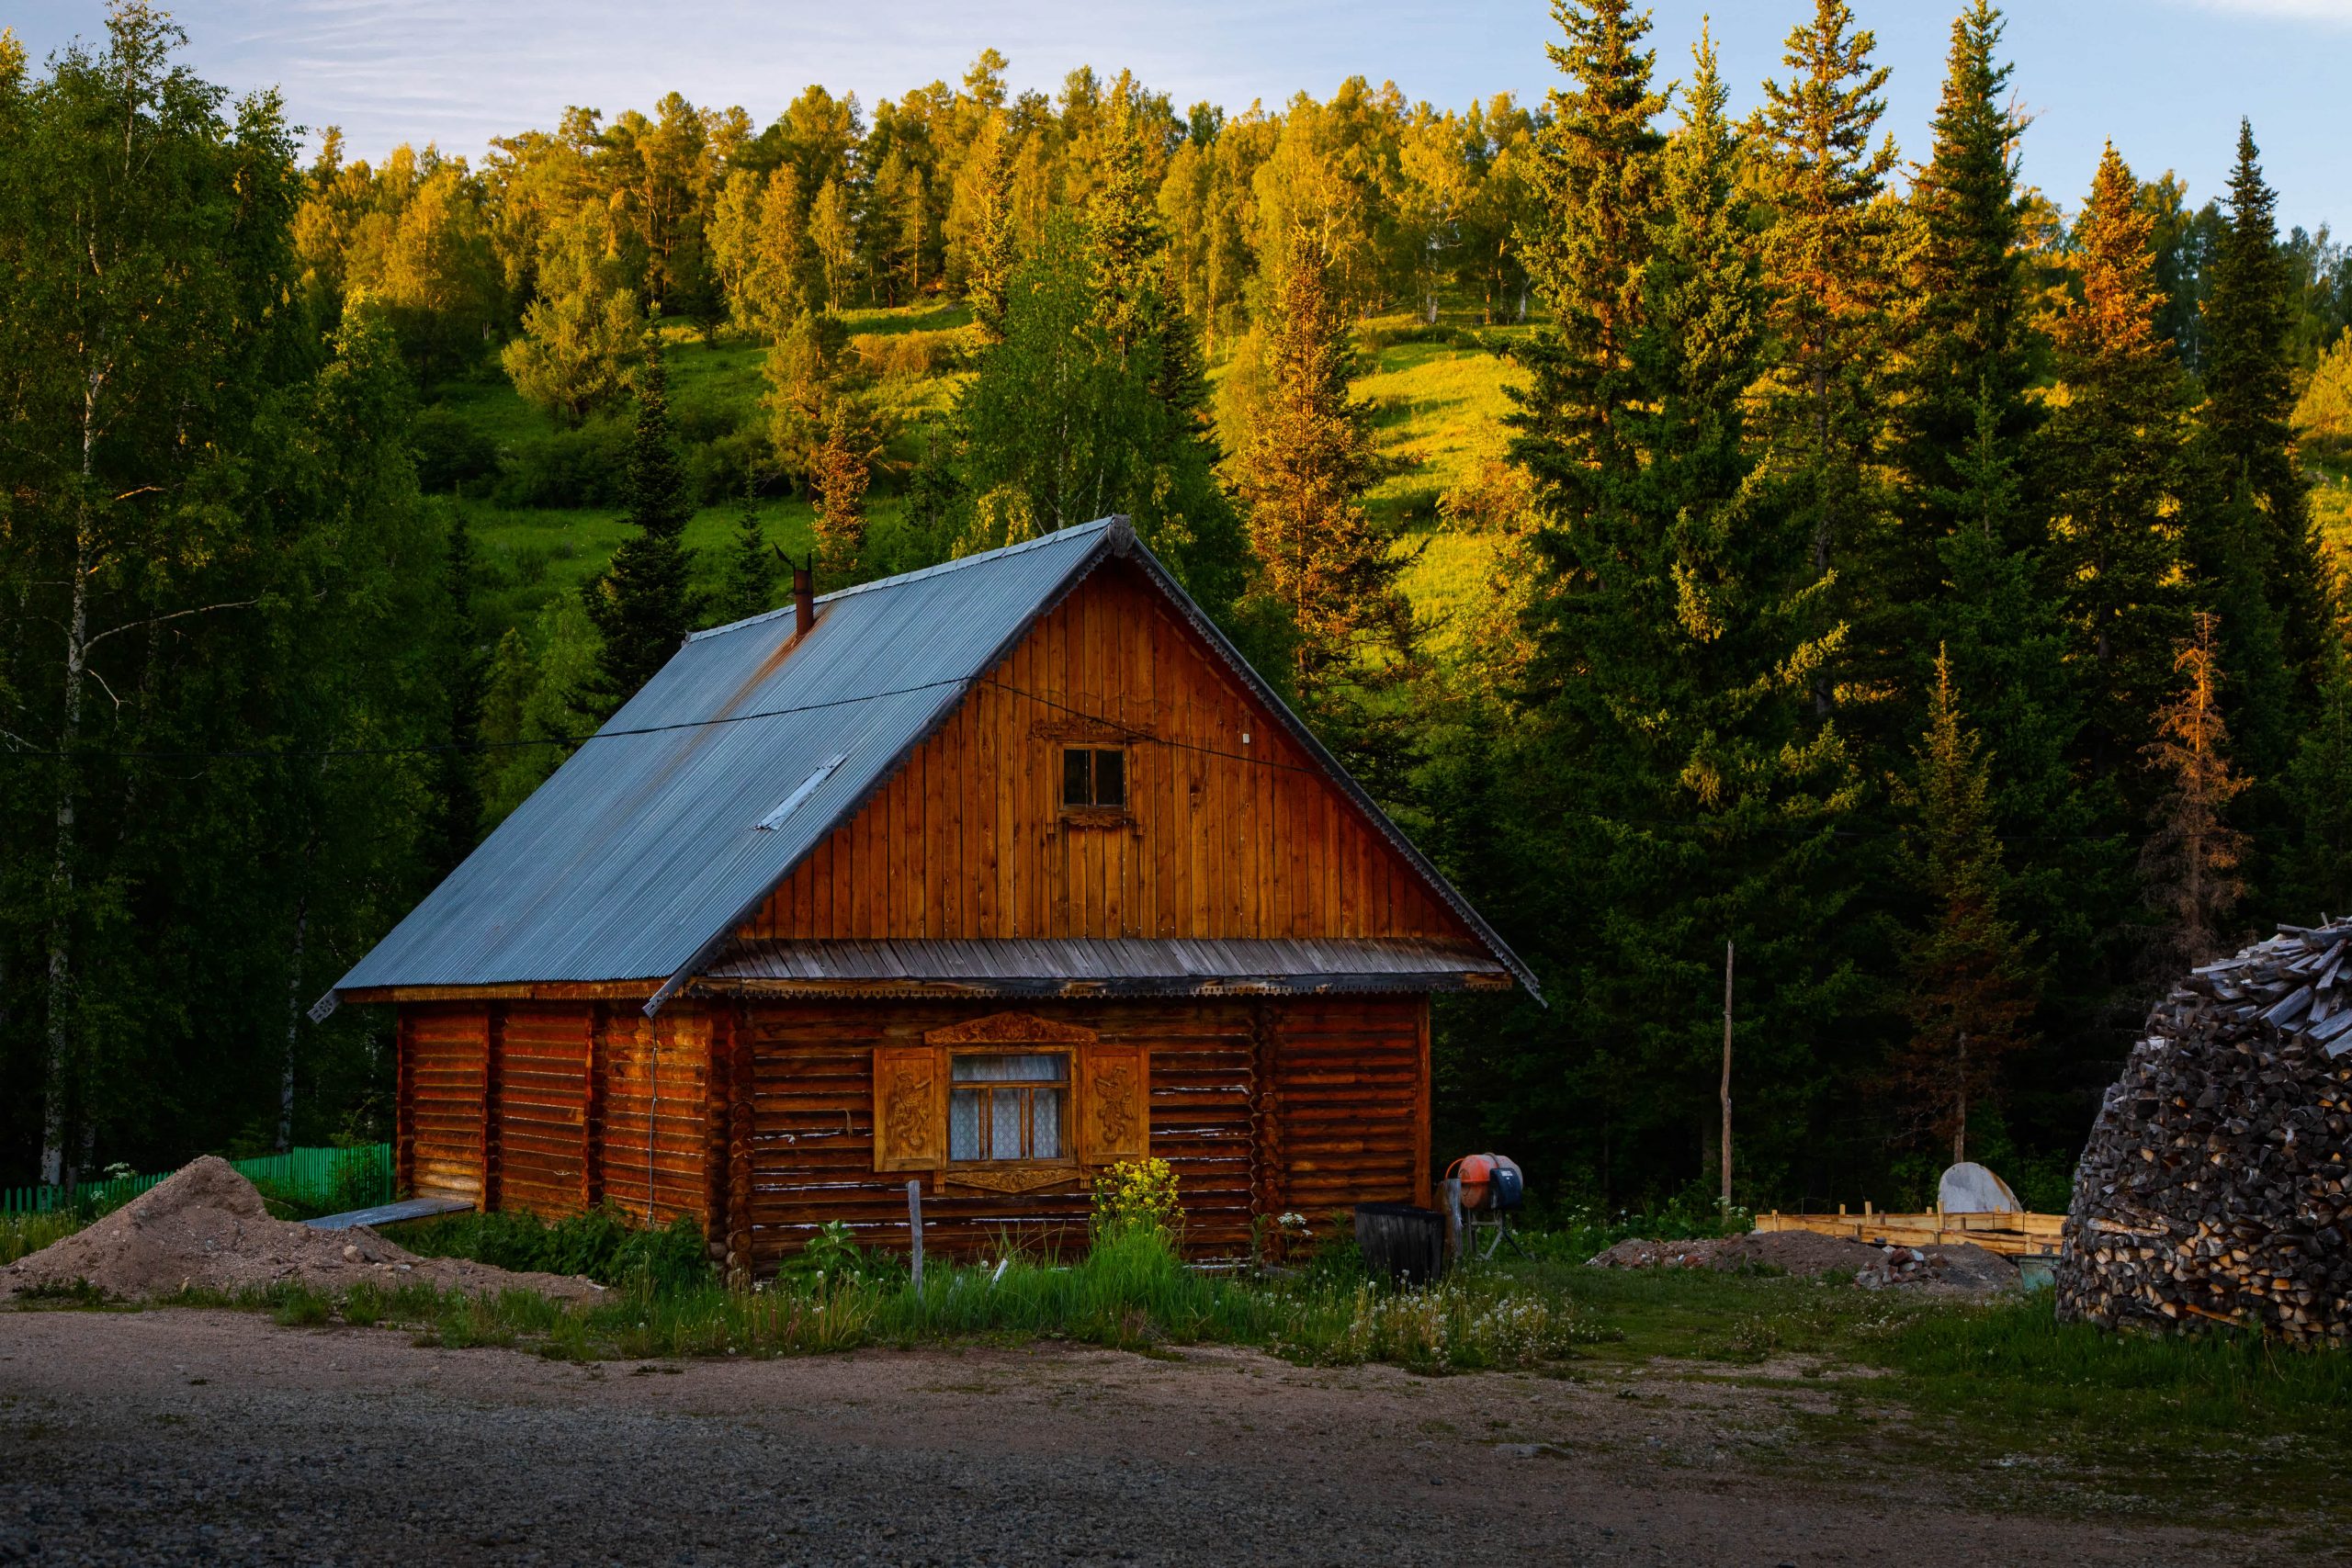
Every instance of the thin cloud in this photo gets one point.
(2337, 13)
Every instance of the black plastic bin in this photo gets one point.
(1403, 1243)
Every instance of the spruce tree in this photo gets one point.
(1666, 733)
(642, 606)
(2191, 860)
(748, 586)
(2317, 878)
(1826, 258)
(1966, 348)
(1301, 481)
(1969, 984)
(2247, 367)
(2005, 635)
(2111, 456)
(1597, 178)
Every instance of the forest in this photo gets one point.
(1697, 528)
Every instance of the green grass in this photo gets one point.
(1438, 406)
(24, 1234)
(1438, 396)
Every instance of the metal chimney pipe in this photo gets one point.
(804, 600)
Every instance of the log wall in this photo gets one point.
(762, 1114)
(1223, 836)
(546, 1107)
(1260, 1106)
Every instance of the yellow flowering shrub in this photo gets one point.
(1138, 1195)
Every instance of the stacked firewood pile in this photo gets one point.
(2214, 1189)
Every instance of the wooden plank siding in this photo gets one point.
(1223, 837)
(1352, 1084)
(446, 1083)
(543, 1107)
(656, 1113)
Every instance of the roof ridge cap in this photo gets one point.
(1058, 535)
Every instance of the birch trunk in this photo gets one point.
(57, 1073)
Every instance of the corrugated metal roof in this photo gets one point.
(646, 843)
(642, 855)
(1033, 966)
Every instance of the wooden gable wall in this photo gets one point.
(1224, 837)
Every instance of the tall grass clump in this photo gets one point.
(2017, 1363)
(27, 1232)
(601, 1245)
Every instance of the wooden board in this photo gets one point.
(2012, 1235)
(1230, 830)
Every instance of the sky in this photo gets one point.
(2167, 80)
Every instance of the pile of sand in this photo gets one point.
(205, 1228)
(1965, 1267)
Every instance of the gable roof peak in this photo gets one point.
(1122, 536)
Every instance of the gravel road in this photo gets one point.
(183, 1437)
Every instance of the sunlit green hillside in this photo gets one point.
(544, 507)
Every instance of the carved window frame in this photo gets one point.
(1107, 1103)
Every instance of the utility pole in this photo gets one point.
(1726, 1088)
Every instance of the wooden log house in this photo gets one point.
(986, 876)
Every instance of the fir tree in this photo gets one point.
(2004, 633)
(1666, 733)
(1301, 482)
(1597, 175)
(2111, 456)
(2191, 860)
(642, 606)
(1969, 984)
(1827, 257)
(2318, 878)
(747, 587)
(2263, 535)
(1967, 352)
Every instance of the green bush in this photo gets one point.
(585, 466)
(451, 452)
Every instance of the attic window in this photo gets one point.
(1094, 776)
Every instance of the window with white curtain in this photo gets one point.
(1003, 1106)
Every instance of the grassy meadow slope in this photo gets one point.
(541, 531)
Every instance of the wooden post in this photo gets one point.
(1959, 1122)
(914, 1226)
(1453, 1218)
(1727, 1085)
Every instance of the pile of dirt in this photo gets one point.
(1965, 1267)
(1808, 1256)
(205, 1228)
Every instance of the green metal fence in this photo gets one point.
(357, 1176)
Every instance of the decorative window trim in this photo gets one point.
(1106, 1111)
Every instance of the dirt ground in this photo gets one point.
(186, 1436)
